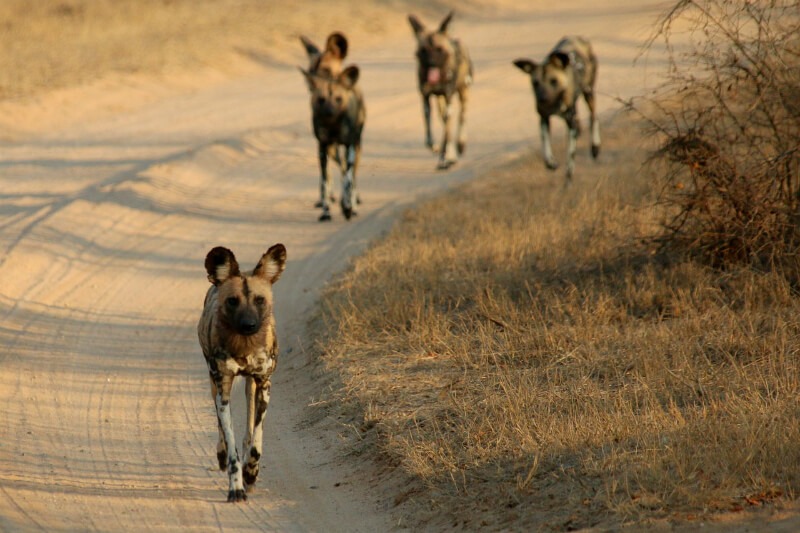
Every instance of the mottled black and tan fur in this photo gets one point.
(237, 335)
(444, 69)
(568, 71)
(338, 114)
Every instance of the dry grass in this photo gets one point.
(518, 353)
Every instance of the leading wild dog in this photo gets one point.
(444, 70)
(237, 335)
(338, 115)
(569, 71)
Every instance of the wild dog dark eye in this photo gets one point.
(554, 83)
(260, 300)
(232, 301)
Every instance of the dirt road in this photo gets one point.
(112, 195)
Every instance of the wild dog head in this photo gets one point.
(436, 53)
(553, 82)
(331, 97)
(245, 299)
(328, 62)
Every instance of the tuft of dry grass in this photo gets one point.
(522, 356)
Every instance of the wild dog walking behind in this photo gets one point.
(569, 71)
(338, 115)
(237, 335)
(444, 69)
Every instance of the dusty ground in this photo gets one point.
(112, 194)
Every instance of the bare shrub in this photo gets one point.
(728, 124)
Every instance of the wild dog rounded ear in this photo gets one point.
(559, 59)
(349, 76)
(416, 25)
(312, 50)
(446, 22)
(526, 65)
(337, 44)
(272, 263)
(221, 264)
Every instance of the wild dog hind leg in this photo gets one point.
(595, 125)
(463, 97)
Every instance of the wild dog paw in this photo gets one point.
(250, 475)
(461, 146)
(551, 164)
(595, 151)
(445, 164)
(237, 495)
(325, 216)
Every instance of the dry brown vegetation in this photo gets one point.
(728, 120)
(528, 360)
(519, 354)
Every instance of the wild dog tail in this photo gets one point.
(337, 45)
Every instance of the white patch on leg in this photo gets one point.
(547, 149)
(572, 144)
(234, 466)
(595, 133)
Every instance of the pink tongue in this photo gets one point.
(433, 75)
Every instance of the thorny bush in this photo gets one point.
(727, 121)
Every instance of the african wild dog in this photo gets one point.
(444, 69)
(570, 70)
(237, 335)
(338, 115)
(326, 62)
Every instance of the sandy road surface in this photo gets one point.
(111, 197)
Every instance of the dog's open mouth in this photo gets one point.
(434, 75)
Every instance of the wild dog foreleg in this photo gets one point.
(348, 181)
(222, 401)
(447, 156)
(547, 149)
(426, 115)
(573, 127)
(324, 182)
(222, 449)
(258, 402)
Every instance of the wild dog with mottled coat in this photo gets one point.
(444, 69)
(338, 116)
(569, 71)
(237, 335)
